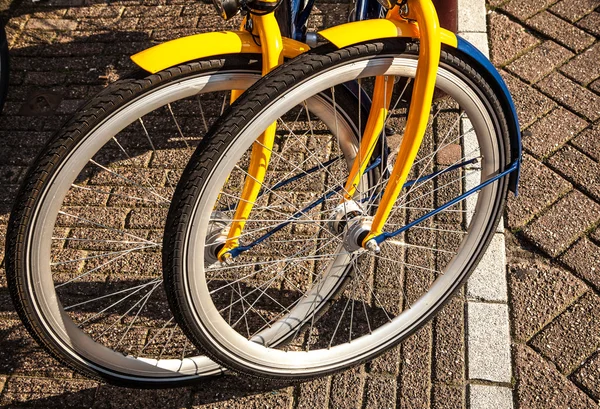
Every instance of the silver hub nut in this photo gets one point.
(357, 229)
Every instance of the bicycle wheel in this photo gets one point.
(83, 249)
(3, 67)
(299, 236)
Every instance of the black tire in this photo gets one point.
(33, 304)
(197, 291)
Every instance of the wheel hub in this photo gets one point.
(344, 212)
(216, 237)
(357, 229)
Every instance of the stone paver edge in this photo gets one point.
(488, 360)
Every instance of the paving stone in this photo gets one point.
(197, 8)
(347, 389)
(387, 363)
(530, 103)
(96, 24)
(584, 259)
(561, 31)
(114, 397)
(449, 349)
(589, 141)
(596, 235)
(591, 23)
(540, 61)
(446, 396)
(227, 391)
(51, 24)
(539, 292)
(577, 167)
(572, 95)
(540, 386)
(526, 8)
(574, 10)
(314, 394)
(567, 220)
(550, 132)
(470, 16)
(104, 10)
(488, 340)
(152, 11)
(146, 23)
(380, 392)
(28, 359)
(538, 188)
(490, 397)
(50, 393)
(414, 382)
(584, 68)
(49, 13)
(573, 336)
(588, 376)
(509, 39)
(488, 281)
(595, 86)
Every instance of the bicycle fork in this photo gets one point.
(424, 13)
(272, 51)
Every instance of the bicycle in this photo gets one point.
(83, 244)
(310, 269)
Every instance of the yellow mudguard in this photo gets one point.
(359, 31)
(198, 46)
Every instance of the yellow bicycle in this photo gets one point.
(294, 249)
(83, 256)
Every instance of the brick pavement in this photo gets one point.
(548, 51)
(69, 49)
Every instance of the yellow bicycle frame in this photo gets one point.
(426, 17)
(425, 14)
(421, 22)
(267, 28)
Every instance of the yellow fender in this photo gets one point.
(197, 46)
(359, 31)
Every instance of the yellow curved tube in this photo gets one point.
(197, 46)
(420, 106)
(272, 51)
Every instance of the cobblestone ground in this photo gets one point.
(549, 53)
(69, 50)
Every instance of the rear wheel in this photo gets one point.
(302, 233)
(85, 236)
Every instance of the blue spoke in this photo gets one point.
(292, 179)
(238, 250)
(426, 177)
(387, 235)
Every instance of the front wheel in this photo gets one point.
(298, 238)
